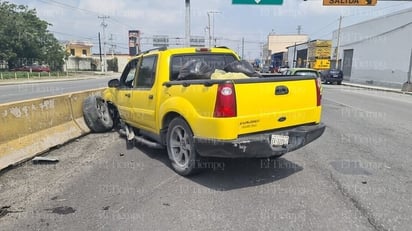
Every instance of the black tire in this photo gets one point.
(181, 148)
(339, 82)
(96, 114)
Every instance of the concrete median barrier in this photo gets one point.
(31, 127)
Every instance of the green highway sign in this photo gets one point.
(258, 2)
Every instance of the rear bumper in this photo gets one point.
(258, 145)
(332, 79)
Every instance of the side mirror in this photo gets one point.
(114, 83)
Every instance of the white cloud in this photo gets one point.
(104, 7)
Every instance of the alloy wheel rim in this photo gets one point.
(180, 146)
(101, 108)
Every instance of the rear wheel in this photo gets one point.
(181, 148)
(339, 82)
(96, 114)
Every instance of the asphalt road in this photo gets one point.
(355, 177)
(22, 90)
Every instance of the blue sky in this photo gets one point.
(78, 20)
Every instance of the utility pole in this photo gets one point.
(243, 48)
(262, 58)
(294, 56)
(410, 69)
(208, 28)
(104, 25)
(212, 37)
(187, 21)
(407, 86)
(100, 48)
(307, 53)
(112, 45)
(338, 44)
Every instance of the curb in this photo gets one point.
(49, 80)
(376, 88)
(41, 81)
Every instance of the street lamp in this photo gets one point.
(211, 37)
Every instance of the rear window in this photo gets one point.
(307, 73)
(216, 61)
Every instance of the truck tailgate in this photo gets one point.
(275, 104)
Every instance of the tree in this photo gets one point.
(24, 38)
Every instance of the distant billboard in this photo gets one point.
(160, 40)
(134, 39)
(197, 41)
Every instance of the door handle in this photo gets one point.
(281, 90)
(127, 95)
(150, 96)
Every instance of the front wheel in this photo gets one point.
(181, 148)
(96, 114)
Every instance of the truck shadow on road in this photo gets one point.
(241, 173)
(222, 174)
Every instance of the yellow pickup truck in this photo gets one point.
(189, 101)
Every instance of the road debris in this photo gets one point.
(44, 160)
(5, 210)
(62, 210)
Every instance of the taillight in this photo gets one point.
(225, 105)
(318, 84)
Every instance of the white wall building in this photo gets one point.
(297, 55)
(280, 42)
(376, 51)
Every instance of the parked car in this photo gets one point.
(33, 68)
(331, 76)
(302, 71)
(305, 72)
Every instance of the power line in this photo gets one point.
(79, 36)
(324, 28)
(65, 5)
(375, 10)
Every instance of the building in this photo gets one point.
(80, 57)
(314, 54)
(277, 47)
(376, 51)
(79, 49)
(297, 55)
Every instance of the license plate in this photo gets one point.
(335, 76)
(278, 140)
